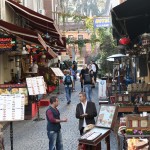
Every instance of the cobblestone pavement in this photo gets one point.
(31, 135)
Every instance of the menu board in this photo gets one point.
(17, 90)
(12, 107)
(36, 85)
(57, 72)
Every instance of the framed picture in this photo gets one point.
(148, 98)
(120, 98)
(106, 116)
(134, 123)
(144, 123)
(126, 98)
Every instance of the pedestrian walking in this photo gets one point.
(94, 68)
(85, 112)
(68, 82)
(88, 81)
(73, 73)
(53, 125)
(81, 77)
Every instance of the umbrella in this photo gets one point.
(116, 56)
(110, 59)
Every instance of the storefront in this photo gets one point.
(131, 21)
(36, 38)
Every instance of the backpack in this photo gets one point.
(87, 79)
(68, 80)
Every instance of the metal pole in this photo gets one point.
(38, 111)
(11, 134)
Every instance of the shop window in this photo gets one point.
(70, 36)
(80, 37)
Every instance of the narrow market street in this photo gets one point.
(31, 135)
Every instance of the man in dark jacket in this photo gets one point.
(53, 125)
(85, 112)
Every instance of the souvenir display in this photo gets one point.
(106, 116)
(105, 122)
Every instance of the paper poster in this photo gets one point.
(36, 85)
(102, 89)
(105, 116)
(12, 107)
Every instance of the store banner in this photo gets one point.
(102, 89)
(102, 22)
(12, 107)
(7, 43)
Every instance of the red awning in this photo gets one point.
(25, 34)
(41, 22)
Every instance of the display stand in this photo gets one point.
(58, 74)
(38, 111)
(104, 124)
(11, 134)
(36, 86)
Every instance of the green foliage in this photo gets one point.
(106, 42)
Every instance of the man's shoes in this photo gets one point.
(68, 102)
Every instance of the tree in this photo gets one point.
(107, 45)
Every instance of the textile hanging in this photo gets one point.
(143, 66)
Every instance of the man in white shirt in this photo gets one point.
(85, 112)
(93, 66)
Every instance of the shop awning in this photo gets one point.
(36, 20)
(131, 18)
(26, 35)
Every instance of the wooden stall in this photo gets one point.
(105, 123)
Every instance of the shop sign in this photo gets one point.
(13, 85)
(7, 43)
(102, 22)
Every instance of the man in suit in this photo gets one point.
(85, 112)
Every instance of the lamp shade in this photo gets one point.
(124, 41)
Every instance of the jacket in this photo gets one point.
(90, 110)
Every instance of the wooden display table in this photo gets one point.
(106, 120)
(96, 143)
(144, 108)
(130, 109)
(126, 109)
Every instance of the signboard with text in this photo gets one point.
(102, 22)
(12, 107)
(36, 85)
(7, 43)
